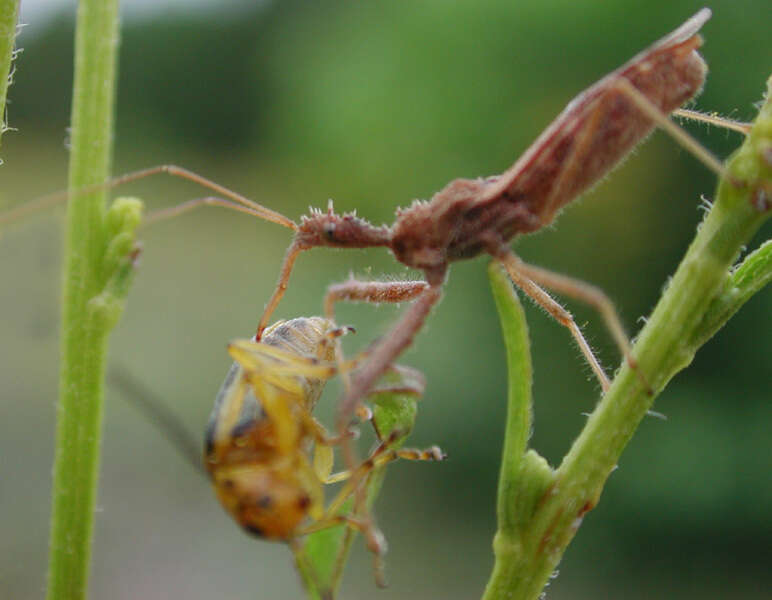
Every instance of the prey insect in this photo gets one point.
(472, 217)
(261, 430)
(258, 441)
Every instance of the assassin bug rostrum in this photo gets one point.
(472, 217)
(258, 442)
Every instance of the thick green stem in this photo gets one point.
(701, 296)
(524, 475)
(84, 328)
(9, 14)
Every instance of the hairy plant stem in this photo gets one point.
(540, 509)
(84, 326)
(9, 14)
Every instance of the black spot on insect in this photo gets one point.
(265, 502)
(304, 502)
(253, 529)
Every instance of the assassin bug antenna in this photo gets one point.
(235, 201)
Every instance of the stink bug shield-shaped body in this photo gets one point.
(256, 449)
(259, 437)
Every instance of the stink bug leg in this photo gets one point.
(262, 427)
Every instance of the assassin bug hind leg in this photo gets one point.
(514, 267)
(713, 119)
(677, 133)
(526, 277)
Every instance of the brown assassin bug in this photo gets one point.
(470, 217)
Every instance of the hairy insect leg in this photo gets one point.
(163, 214)
(274, 376)
(368, 291)
(290, 256)
(378, 360)
(381, 457)
(274, 364)
(387, 349)
(363, 523)
(679, 134)
(384, 352)
(410, 382)
(374, 539)
(373, 292)
(382, 355)
(513, 265)
(594, 297)
(713, 119)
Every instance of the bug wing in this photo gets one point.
(601, 125)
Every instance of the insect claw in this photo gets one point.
(436, 453)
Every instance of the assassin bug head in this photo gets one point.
(320, 228)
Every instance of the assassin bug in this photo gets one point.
(470, 217)
(258, 440)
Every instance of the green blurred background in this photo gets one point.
(373, 104)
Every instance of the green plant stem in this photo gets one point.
(9, 14)
(84, 331)
(529, 546)
(753, 274)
